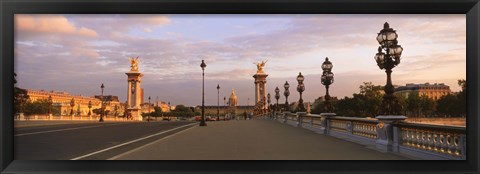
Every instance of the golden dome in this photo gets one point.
(233, 96)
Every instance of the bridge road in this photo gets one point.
(88, 140)
(253, 140)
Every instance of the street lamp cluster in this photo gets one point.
(300, 89)
(327, 80)
(387, 38)
(202, 121)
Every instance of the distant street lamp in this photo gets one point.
(224, 108)
(148, 117)
(89, 108)
(72, 104)
(300, 89)
(327, 80)
(268, 101)
(103, 104)
(277, 96)
(387, 38)
(202, 121)
(218, 102)
(50, 102)
(286, 94)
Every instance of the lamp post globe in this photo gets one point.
(202, 120)
(327, 80)
(218, 102)
(148, 117)
(102, 100)
(300, 89)
(286, 93)
(268, 101)
(387, 38)
(277, 96)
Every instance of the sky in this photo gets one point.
(76, 53)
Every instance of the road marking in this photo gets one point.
(66, 129)
(130, 142)
(58, 130)
(141, 147)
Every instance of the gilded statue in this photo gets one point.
(134, 62)
(260, 66)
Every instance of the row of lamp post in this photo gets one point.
(387, 38)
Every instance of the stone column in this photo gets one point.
(300, 116)
(385, 131)
(325, 129)
(129, 94)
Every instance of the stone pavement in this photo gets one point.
(253, 140)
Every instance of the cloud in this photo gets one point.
(50, 24)
(69, 58)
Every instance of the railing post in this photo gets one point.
(463, 145)
(385, 132)
(300, 116)
(397, 139)
(325, 129)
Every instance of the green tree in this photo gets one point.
(462, 98)
(446, 105)
(20, 97)
(37, 107)
(427, 106)
(413, 104)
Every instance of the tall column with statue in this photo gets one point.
(260, 84)
(134, 94)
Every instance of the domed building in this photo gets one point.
(232, 104)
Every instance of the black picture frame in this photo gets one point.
(10, 7)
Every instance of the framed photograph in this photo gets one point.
(227, 86)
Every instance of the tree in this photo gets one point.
(462, 98)
(37, 107)
(20, 97)
(427, 106)
(364, 104)
(446, 105)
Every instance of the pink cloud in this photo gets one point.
(50, 24)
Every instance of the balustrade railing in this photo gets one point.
(448, 141)
(425, 141)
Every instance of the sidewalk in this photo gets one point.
(253, 140)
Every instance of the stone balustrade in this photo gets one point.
(424, 141)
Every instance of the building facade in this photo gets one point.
(433, 91)
(61, 101)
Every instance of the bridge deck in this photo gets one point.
(253, 140)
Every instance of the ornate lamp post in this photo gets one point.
(218, 102)
(300, 89)
(89, 108)
(268, 101)
(148, 119)
(286, 94)
(103, 104)
(202, 121)
(277, 96)
(50, 102)
(387, 38)
(327, 80)
(224, 108)
(72, 104)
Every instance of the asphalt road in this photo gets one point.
(89, 141)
